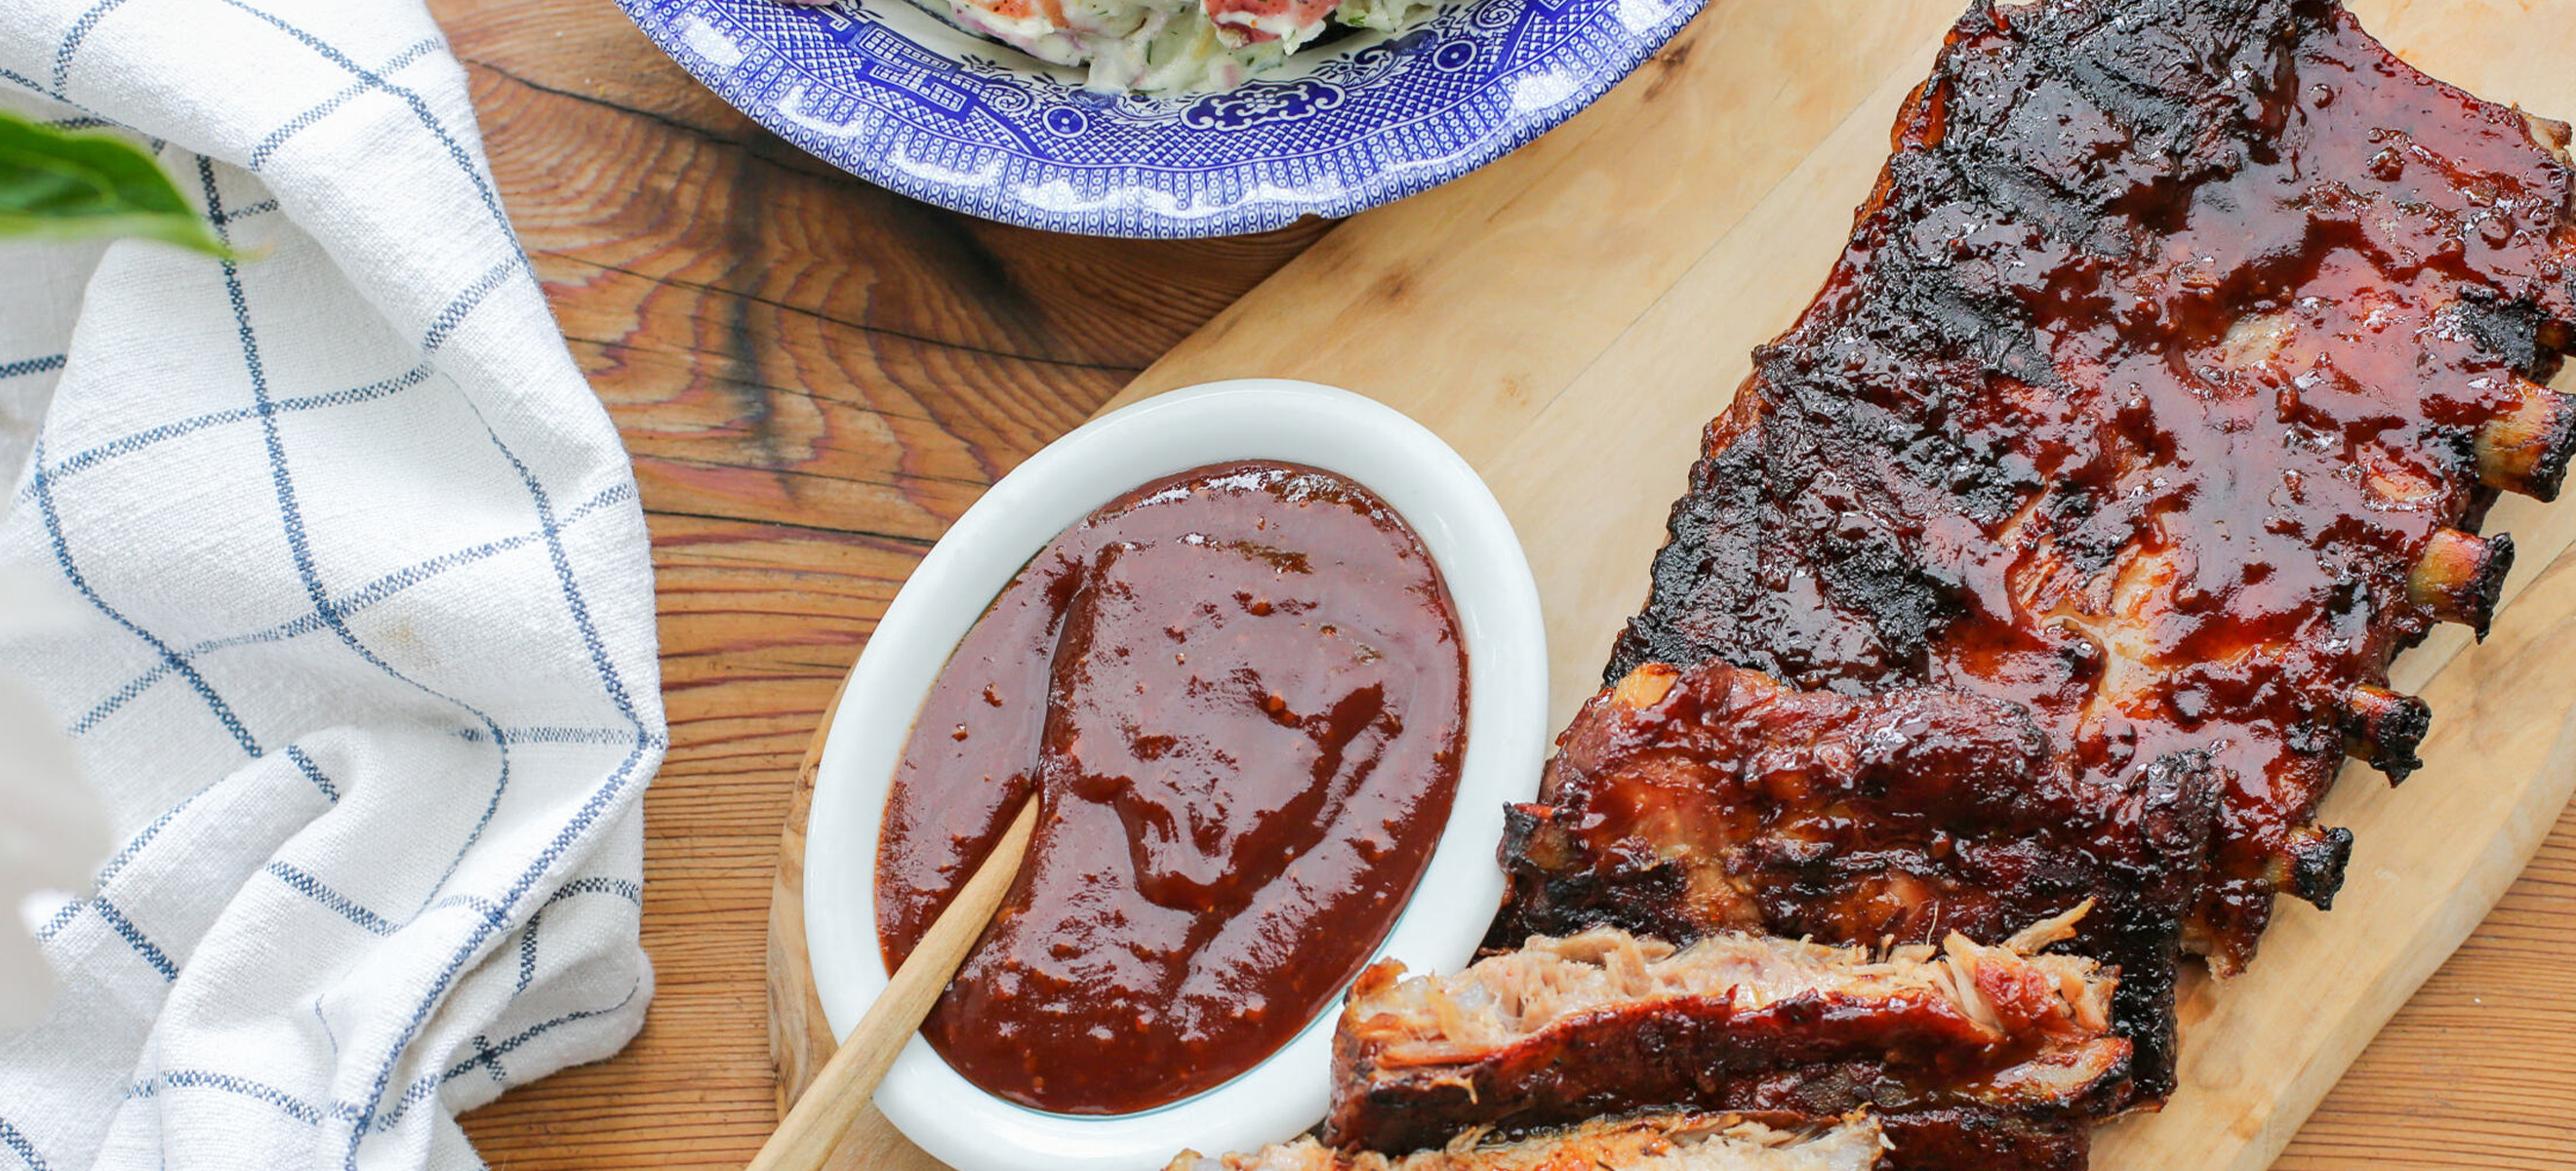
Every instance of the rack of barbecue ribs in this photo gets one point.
(2058, 551)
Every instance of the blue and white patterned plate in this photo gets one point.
(895, 95)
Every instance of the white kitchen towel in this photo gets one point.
(364, 662)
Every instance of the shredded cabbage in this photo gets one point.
(1163, 46)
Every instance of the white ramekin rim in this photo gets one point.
(1496, 601)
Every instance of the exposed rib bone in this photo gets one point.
(2312, 866)
(2461, 577)
(2526, 449)
(2384, 727)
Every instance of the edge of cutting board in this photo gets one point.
(800, 1037)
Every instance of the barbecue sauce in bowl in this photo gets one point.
(1241, 692)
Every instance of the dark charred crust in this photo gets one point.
(2490, 583)
(2524, 447)
(2179, 807)
(1948, 1140)
(2317, 862)
(2481, 499)
(2461, 578)
(2385, 728)
(2550, 473)
(2511, 331)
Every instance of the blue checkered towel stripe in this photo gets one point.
(365, 664)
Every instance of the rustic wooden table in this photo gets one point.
(816, 377)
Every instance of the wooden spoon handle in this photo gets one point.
(804, 1139)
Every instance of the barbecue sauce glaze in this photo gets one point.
(1242, 693)
(2156, 364)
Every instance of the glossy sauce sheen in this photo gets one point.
(1243, 692)
(2155, 395)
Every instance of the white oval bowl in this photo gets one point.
(1496, 602)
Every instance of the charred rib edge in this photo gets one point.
(2526, 448)
(2312, 865)
(2385, 727)
(2461, 577)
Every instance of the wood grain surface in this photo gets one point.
(816, 376)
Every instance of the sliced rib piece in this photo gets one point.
(1654, 1142)
(2159, 394)
(1682, 803)
(1989, 1051)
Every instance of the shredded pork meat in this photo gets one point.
(2019, 1043)
(1662, 1142)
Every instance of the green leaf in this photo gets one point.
(64, 185)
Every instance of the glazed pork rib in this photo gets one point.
(2157, 398)
(1658, 1142)
(1718, 799)
(1985, 1056)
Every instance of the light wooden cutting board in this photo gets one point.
(1570, 317)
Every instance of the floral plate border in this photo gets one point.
(887, 92)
